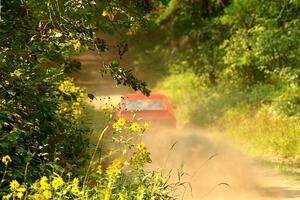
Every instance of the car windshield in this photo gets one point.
(144, 104)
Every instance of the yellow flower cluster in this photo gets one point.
(47, 194)
(14, 185)
(6, 159)
(75, 188)
(44, 188)
(135, 127)
(74, 107)
(57, 182)
(119, 123)
(141, 146)
(121, 196)
(140, 192)
(114, 168)
(17, 190)
(47, 188)
(44, 185)
(6, 197)
(68, 87)
(75, 181)
(142, 156)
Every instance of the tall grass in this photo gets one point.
(262, 119)
(263, 133)
(115, 167)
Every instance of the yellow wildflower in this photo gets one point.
(68, 87)
(75, 104)
(134, 127)
(146, 126)
(140, 192)
(99, 170)
(114, 168)
(75, 189)
(121, 196)
(141, 146)
(6, 197)
(21, 189)
(75, 181)
(61, 88)
(57, 182)
(74, 89)
(36, 184)
(121, 121)
(20, 195)
(104, 13)
(44, 183)
(47, 194)
(115, 125)
(14, 185)
(6, 159)
(37, 197)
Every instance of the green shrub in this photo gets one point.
(199, 104)
(40, 119)
(122, 178)
(263, 132)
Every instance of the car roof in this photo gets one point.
(139, 95)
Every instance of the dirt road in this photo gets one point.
(217, 170)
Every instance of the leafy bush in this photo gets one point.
(202, 105)
(40, 118)
(40, 108)
(122, 178)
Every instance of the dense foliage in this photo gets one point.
(122, 177)
(41, 110)
(235, 63)
(238, 42)
(235, 49)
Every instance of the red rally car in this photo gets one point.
(154, 109)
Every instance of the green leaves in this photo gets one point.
(41, 111)
(125, 77)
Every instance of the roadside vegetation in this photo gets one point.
(45, 129)
(119, 174)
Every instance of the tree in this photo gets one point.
(41, 109)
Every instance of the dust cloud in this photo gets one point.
(213, 166)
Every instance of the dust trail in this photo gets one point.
(214, 167)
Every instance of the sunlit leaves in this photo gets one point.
(125, 77)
